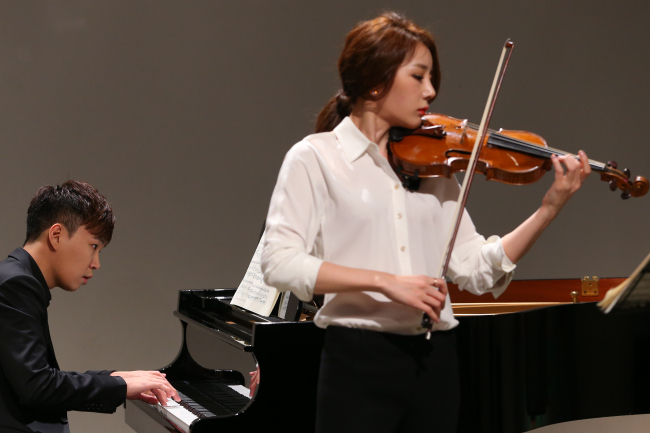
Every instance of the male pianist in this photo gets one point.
(67, 226)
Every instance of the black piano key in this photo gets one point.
(209, 398)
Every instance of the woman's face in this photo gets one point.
(408, 98)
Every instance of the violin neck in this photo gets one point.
(504, 142)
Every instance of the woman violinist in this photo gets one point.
(341, 224)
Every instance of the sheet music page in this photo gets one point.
(640, 294)
(638, 282)
(252, 294)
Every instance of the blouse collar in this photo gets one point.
(352, 140)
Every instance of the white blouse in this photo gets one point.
(338, 200)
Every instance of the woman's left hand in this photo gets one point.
(569, 175)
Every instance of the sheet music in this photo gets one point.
(284, 303)
(640, 295)
(253, 294)
(633, 292)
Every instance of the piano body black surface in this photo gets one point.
(287, 352)
(518, 370)
(545, 366)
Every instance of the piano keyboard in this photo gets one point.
(208, 399)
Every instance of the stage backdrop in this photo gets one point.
(181, 113)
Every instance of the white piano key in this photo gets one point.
(241, 389)
(180, 417)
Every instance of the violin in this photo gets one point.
(442, 145)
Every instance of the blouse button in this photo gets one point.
(403, 249)
(396, 186)
(399, 216)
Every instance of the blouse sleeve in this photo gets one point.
(293, 222)
(477, 265)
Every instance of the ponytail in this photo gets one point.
(336, 109)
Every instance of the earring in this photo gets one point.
(374, 93)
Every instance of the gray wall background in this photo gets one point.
(181, 112)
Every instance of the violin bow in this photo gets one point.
(471, 167)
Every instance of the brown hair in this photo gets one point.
(73, 204)
(373, 52)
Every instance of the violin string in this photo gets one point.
(548, 150)
(524, 143)
(536, 148)
(529, 144)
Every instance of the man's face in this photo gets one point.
(77, 258)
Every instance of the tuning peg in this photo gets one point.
(625, 195)
(612, 164)
(626, 172)
(612, 185)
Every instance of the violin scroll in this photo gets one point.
(621, 180)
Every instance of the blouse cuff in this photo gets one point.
(495, 255)
(310, 266)
(297, 274)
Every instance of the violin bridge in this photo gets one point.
(463, 126)
(590, 286)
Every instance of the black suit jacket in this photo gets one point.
(32, 388)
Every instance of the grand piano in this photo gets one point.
(288, 352)
(554, 361)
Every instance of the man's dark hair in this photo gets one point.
(73, 204)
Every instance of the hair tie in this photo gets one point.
(342, 97)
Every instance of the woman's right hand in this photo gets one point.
(418, 291)
(255, 380)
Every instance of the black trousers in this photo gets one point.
(379, 382)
